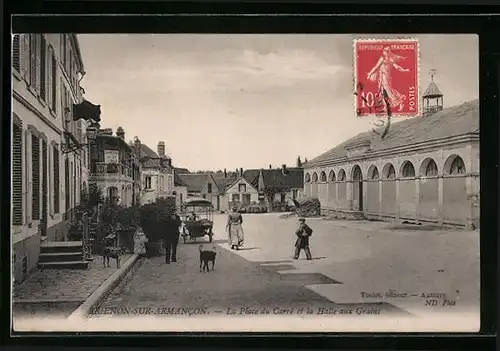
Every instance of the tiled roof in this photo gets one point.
(178, 181)
(252, 176)
(453, 121)
(223, 182)
(146, 151)
(432, 91)
(181, 170)
(291, 178)
(194, 182)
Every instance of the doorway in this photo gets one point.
(357, 179)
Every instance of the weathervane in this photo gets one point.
(432, 73)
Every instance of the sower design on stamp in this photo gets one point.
(386, 77)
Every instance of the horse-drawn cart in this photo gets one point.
(197, 219)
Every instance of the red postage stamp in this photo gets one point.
(386, 77)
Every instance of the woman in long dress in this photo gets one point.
(381, 73)
(140, 241)
(235, 229)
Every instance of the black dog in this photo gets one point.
(207, 256)
(112, 252)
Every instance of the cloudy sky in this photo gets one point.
(231, 101)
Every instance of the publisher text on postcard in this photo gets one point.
(386, 77)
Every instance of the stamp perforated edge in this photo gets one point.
(355, 73)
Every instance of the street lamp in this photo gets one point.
(71, 144)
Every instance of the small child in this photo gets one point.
(303, 233)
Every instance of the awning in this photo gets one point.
(87, 111)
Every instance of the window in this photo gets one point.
(35, 169)
(315, 177)
(242, 188)
(408, 171)
(389, 172)
(236, 198)
(17, 175)
(147, 182)
(308, 178)
(33, 61)
(162, 182)
(42, 68)
(16, 59)
(209, 188)
(55, 151)
(431, 169)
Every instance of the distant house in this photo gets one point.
(180, 190)
(280, 185)
(244, 191)
(215, 190)
(194, 183)
(178, 170)
(157, 173)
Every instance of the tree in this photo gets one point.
(299, 162)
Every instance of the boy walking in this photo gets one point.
(303, 233)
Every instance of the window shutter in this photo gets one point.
(35, 159)
(54, 80)
(17, 175)
(79, 131)
(43, 66)
(16, 63)
(25, 57)
(48, 65)
(57, 189)
(33, 61)
(38, 49)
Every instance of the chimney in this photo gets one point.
(161, 148)
(270, 167)
(120, 133)
(137, 147)
(241, 172)
(225, 173)
(283, 167)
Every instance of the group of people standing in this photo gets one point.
(234, 228)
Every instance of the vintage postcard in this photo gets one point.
(235, 183)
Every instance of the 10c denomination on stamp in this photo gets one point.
(386, 76)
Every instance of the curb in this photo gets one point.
(103, 290)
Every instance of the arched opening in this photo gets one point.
(429, 168)
(308, 178)
(456, 204)
(112, 194)
(331, 176)
(389, 204)
(454, 165)
(373, 186)
(315, 177)
(323, 176)
(429, 190)
(341, 177)
(407, 170)
(373, 173)
(357, 189)
(388, 172)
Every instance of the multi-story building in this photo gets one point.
(115, 168)
(157, 173)
(48, 170)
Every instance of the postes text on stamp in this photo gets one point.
(386, 77)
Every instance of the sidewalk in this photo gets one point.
(58, 292)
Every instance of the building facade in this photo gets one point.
(281, 185)
(46, 177)
(115, 168)
(157, 173)
(425, 170)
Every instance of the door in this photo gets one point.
(44, 190)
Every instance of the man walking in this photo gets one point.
(303, 234)
(172, 237)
